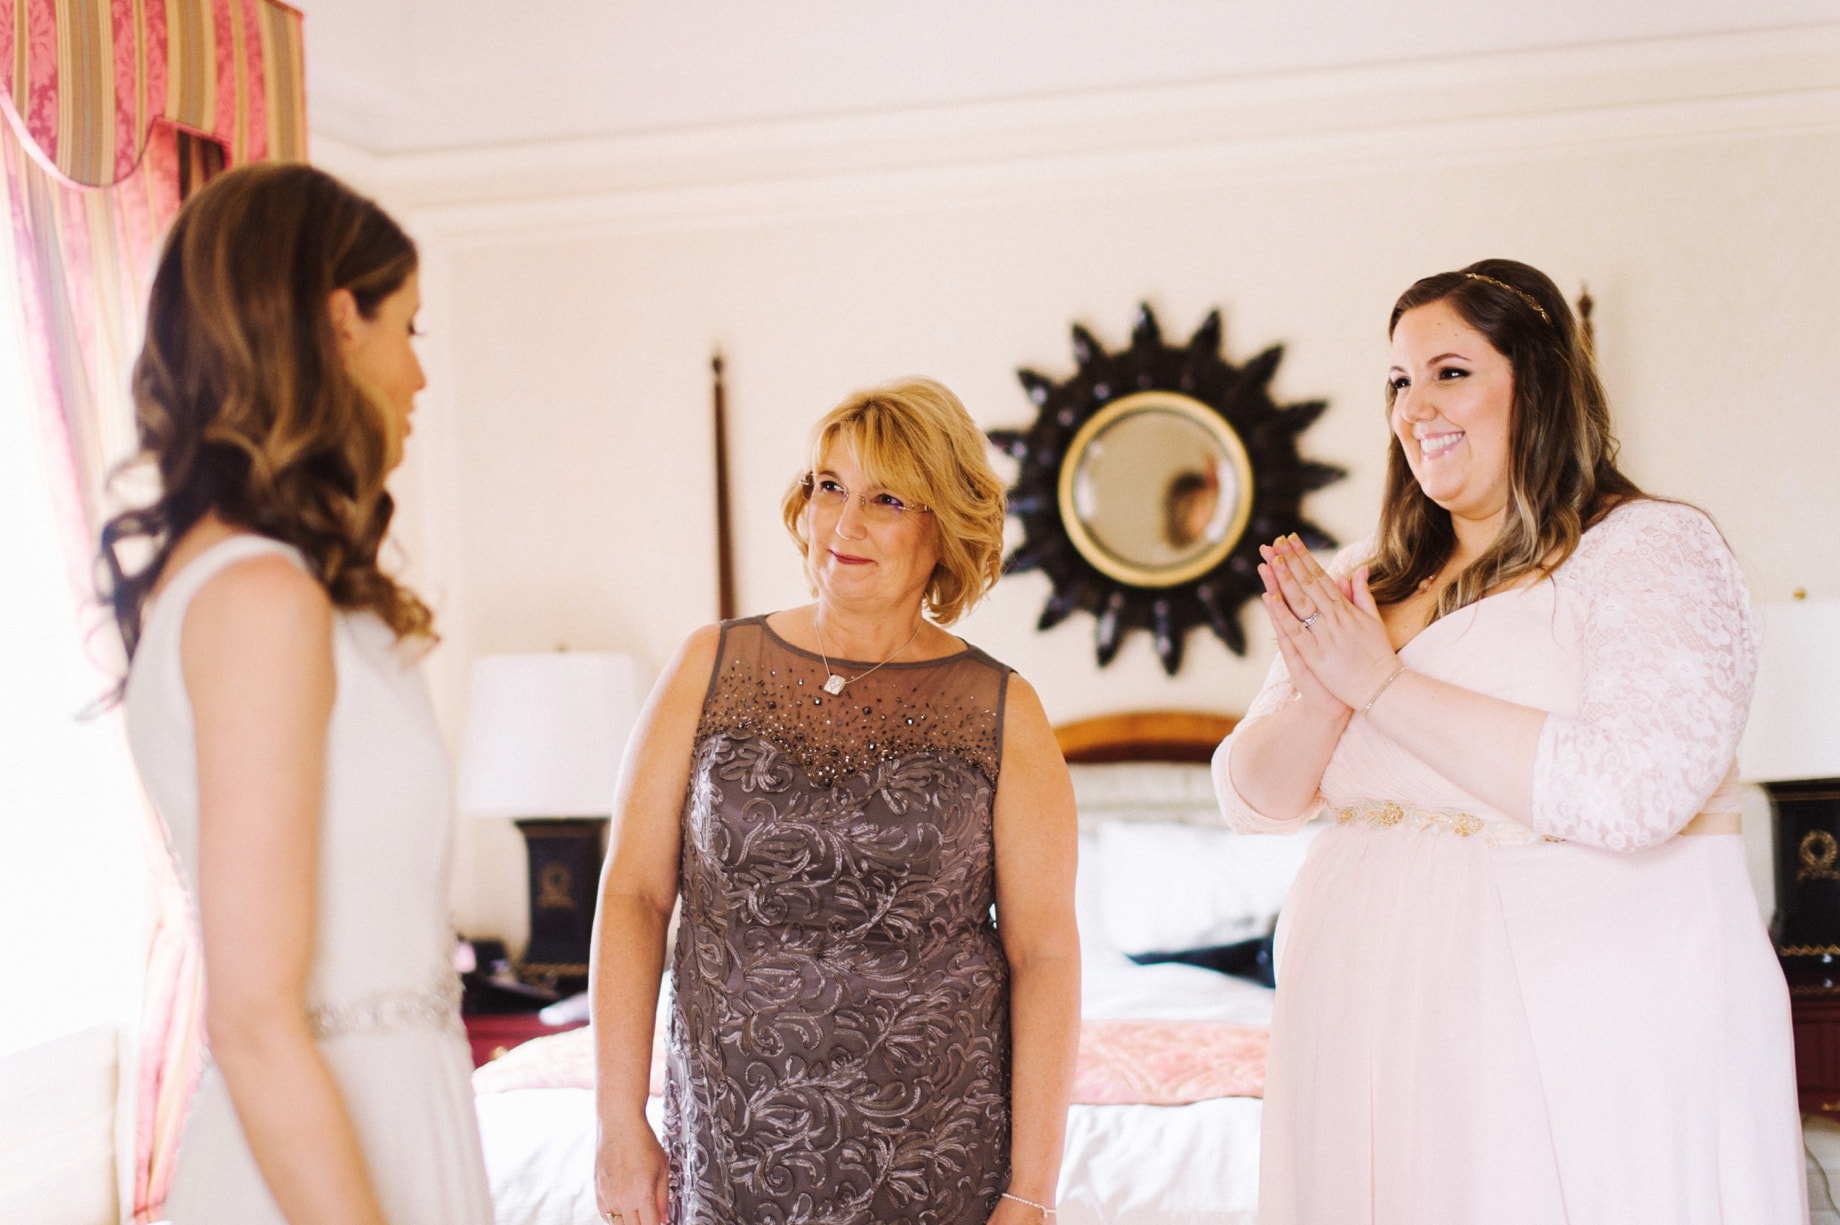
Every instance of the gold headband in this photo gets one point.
(1522, 294)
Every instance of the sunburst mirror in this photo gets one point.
(1148, 481)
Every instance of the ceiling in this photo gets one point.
(396, 76)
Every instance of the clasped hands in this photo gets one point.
(1329, 630)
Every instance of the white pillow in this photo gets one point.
(1096, 948)
(1165, 887)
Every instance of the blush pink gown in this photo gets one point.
(1579, 1019)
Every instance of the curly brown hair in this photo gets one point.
(243, 404)
(1562, 473)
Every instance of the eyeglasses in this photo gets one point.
(883, 508)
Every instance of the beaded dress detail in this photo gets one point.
(839, 1036)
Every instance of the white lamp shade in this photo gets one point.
(545, 732)
(1794, 728)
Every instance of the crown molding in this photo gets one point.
(1112, 142)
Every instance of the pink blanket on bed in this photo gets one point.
(1154, 1063)
(1168, 1063)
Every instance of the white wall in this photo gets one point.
(60, 1129)
(560, 484)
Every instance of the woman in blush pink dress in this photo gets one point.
(1523, 977)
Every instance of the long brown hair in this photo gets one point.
(243, 404)
(1562, 473)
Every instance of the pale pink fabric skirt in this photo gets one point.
(1467, 1032)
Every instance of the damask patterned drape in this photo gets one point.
(113, 110)
(88, 79)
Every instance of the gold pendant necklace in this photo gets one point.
(834, 683)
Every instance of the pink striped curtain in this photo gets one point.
(113, 110)
(112, 95)
(88, 79)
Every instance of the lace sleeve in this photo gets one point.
(1276, 692)
(1670, 655)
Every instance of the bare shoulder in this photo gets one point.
(268, 587)
(1022, 700)
(263, 607)
(1034, 792)
(658, 761)
(1025, 720)
(677, 698)
(695, 659)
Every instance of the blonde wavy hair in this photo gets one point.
(1562, 473)
(914, 438)
(243, 404)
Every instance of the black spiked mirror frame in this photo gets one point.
(1241, 397)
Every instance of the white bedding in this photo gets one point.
(1157, 1165)
(1124, 1165)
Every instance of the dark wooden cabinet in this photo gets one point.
(492, 1034)
(1816, 1014)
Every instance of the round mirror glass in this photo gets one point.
(1156, 489)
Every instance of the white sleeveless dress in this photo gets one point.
(382, 991)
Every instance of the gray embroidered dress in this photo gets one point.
(839, 1036)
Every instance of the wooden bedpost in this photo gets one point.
(725, 558)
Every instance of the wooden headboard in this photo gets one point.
(1145, 735)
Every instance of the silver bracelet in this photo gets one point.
(1397, 673)
(1041, 1208)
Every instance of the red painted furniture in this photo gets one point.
(492, 1034)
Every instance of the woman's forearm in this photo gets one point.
(1275, 764)
(1044, 1014)
(628, 960)
(294, 1115)
(1483, 744)
(1338, 636)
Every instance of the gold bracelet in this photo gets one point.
(1041, 1208)
(1397, 673)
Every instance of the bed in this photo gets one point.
(1158, 873)
(1172, 1054)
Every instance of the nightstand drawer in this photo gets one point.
(1817, 1051)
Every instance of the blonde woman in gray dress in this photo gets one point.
(839, 793)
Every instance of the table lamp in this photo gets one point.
(1792, 747)
(542, 746)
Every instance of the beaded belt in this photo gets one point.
(436, 1006)
(1381, 815)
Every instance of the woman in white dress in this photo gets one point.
(279, 721)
